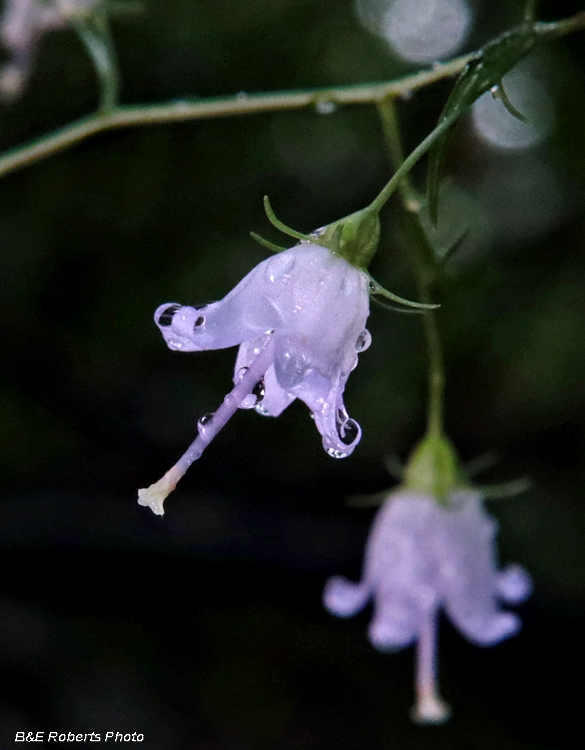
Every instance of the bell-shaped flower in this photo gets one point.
(22, 24)
(421, 557)
(299, 319)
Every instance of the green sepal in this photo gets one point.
(505, 489)
(484, 71)
(396, 308)
(355, 237)
(281, 226)
(434, 469)
(266, 243)
(376, 288)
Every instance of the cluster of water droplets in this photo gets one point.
(254, 399)
(165, 320)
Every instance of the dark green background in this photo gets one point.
(205, 629)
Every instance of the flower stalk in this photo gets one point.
(423, 262)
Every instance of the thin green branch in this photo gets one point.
(110, 117)
(423, 263)
(408, 163)
(224, 106)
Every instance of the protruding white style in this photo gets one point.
(299, 319)
(421, 557)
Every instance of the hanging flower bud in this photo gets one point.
(22, 24)
(423, 555)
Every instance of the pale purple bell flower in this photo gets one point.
(22, 24)
(299, 319)
(422, 556)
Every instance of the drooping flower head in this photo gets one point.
(299, 319)
(22, 24)
(426, 554)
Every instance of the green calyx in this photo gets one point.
(354, 238)
(434, 469)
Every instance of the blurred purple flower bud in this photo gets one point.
(299, 318)
(420, 557)
(22, 24)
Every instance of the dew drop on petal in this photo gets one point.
(204, 424)
(166, 317)
(262, 410)
(241, 372)
(259, 391)
(363, 341)
(174, 344)
(335, 453)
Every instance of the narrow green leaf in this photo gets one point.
(94, 31)
(499, 92)
(484, 71)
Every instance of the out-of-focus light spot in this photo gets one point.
(500, 128)
(420, 31)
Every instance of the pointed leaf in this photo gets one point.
(484, 71)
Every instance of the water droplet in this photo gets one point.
(199, 322)
(229, 399)
(325, 107)
(259, 391)
(334, 453)
(406, 94)
(204, 424)
(241, 96)
(174, 344)
(166, 317)
(269, 332)
(347, 429)
(372, 288)
(241, 372)
(262, 410)
(363, 341)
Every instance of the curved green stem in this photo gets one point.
(115, 117)
(94, 31)
(407, 164)
(423, 262)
